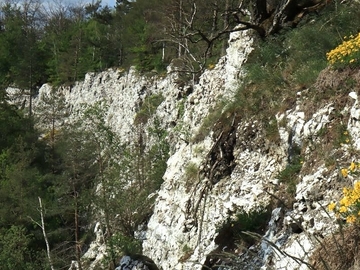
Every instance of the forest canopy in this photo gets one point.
(60, 42)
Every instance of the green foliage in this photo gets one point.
(126, 176)
(289, 175)
(272, 130)
(255, 221)
(187, 252)
(158, 154)
(280, 66)
(191, 174)
(62, 46)
(181, 128)
(86, 166)
(191, 171)
(181, 108)
(347, 54)
(292, 60)
(233, 229)
(342, 137)
(137, 174)
(68, 41)
(20, 56)
(125, 244)
(21, 180)
(15, 251)
(64, 166)
(12, 124)
(186, 249)
(208, 123)
(148, 108)
(139, 34)
(348, 207)
(235, 237)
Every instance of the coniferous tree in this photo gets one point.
(21, 165)
(74, 193)
(123, 8)
(102, 38)
(15, 251)
(56, 40)
(50, 114)
(22, 57)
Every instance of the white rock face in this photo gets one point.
(307, 220)
(123, 92)
(309, 217)
(354, 121)
(187, 215)
(171, 229)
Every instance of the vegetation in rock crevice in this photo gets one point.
(308, 64)
(285, 64)
(339, 249)
(233, 240)
(148, 108)
(281, 67)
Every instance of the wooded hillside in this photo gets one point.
(66, 167)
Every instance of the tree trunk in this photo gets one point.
(180, 26)
(225, 26)
(44, 234)
(76, 221)
(42, 226)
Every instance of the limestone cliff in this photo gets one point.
(237, 166)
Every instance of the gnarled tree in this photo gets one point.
(199, 26)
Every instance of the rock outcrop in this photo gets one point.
(238, 167)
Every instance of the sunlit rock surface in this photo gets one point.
(189, 213)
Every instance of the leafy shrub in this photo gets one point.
(148, 108)
(215, 115)
(14, 248)
(289, 175)
(191, 170)
(339, 250)
(191, 174)
(346, 54)
(255, 221)
(348, 207)
(188, 251)
(233, 234)
(343, 136)
(283, 64)
(122, 243)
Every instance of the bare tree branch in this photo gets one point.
(42, 226)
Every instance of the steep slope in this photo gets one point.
(228, 176)
(181, 113)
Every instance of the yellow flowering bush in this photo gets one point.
(352, 169)
(211, 66)
(347, 53)
(349, 205)
(346, 135)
